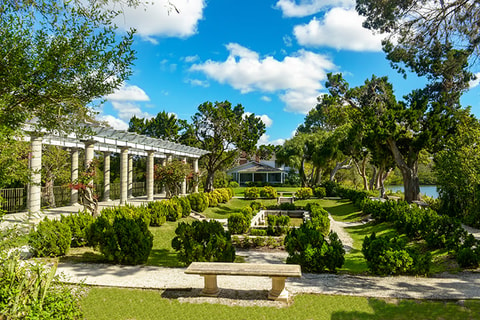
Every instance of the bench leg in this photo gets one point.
(210, 288)
(278, 292)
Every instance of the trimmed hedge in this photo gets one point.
(79, 224)
(319, 218)
(198, 201)
(268, 192)
(51, 238)
(251, 193)
(304, 193)
(277, 225)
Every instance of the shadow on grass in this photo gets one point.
(413, 309)
(83, 255)
(163, 258)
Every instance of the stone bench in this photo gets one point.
(278, 273)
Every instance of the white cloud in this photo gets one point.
(265, 119)
(126, 110)
(155, 19)
(340, 29)
(475, 82)
(299, 75)
(198, 83)
(290, 8)
(266, 98)
(115, 123)
(265, 140)
(128, 93)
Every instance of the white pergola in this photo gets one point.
(108, 141)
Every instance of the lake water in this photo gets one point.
(430, 191)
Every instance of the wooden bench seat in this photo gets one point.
(278, 273)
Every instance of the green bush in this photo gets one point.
(330, 188)
(277, 225)
(391, 256)
(258, 232)
(256, 206)
(32, 291)
(157, 212)
(203, 241)
(238, 223)
(79, 224)
(251, 193)
(212, 199)
(304, 193)
(268, 192)
(287, 206)
(185, 204)
(319, 218)
(198, 202)
(468, 255)
(307, 247)
(51, 238)
(173, 209)
(121, 237)
(320, 192)
(247, 212)
(233, 184)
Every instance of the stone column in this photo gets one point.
(106, 176)
(123, 175)
(89, 152)
(130, 176)
(35, 164)
(184, 182)
(74, 175)
(195, 170)
(150, 168)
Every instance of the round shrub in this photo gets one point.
(467, 258)
(203, 241)
(238, 223)
(212, 199)
(198, 202)
(51, 238)
(319, 218)
(173, 208)
(122, 239)
(268, 192)
(320, 192)
(247, 212)
(79, 224)
(251, 193)
(256, 206)
(186, 208)
(157, 212)
(233, 184)
(309, 248)
(304, 193)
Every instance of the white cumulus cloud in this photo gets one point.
(128, 93)
(115, 123)
(290, 8)
(265, 119)
(159, 18)
(296, 77)
(475, 82)
(340, 29)
(126, 110)
(265, 140)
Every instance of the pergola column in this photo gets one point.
(184, 182)
(150, 170)
(195, 170)
(106, 176)
(35, 164)
(74, 175)
(130, 176)
(123, 175)
(89, 152)
(164, 189)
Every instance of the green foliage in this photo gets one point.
(157, 212)
(468, 255)
(304, 193)
(185, 205)
(198, 201)
(164, 126)
(330, 188)
(79, 224)
(258, 232)
(251, 193)
(32, 291)
(320, 192)
(51, 238)
(203, 241)
(287, 206)
(172, 175)
(277, 225)
(220, 129)
(122, 236)
(319, 218)
(391, 256)
(268, 192)
(238, 222)
(307, 247)
(247, 212)
(212, 199)
(233, 184)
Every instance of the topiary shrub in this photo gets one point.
(212, 199)
(79, 224)
(198, 201)
(268, 192)
(320, 192)
(238, 223)
(203, 241)
(304, 193)
(186, 208)
(390, 256)
(122, 238)
(51, 238)
(247, 212)
(157, 212)
(173, 208)
(307, 247)
(251, 193)
(277, 225)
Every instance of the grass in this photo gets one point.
(117, 303)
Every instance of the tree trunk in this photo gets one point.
(340, 166)
(209, 181)
(362, 172)
(50, 195)
(373, 180)
(409, 169)
(317, 177)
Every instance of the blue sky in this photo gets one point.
(271, 56)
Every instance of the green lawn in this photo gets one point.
(116, 303)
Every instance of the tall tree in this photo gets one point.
(163, 126)
(56, 57)
(223, 130)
